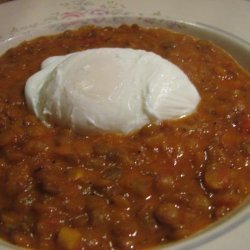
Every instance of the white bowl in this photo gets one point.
(235, 224)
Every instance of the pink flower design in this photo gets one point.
(72, 14)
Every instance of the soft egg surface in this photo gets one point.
(109, 90)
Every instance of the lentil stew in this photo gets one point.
(60, 190)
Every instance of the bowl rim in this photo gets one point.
(231, 43)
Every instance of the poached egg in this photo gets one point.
(109, 90)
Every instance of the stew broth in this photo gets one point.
(60, 190)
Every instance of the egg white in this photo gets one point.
(109, 90)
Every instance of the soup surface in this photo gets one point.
(60, 190)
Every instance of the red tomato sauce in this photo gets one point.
(60, 190)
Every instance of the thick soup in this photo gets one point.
(60, 190)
